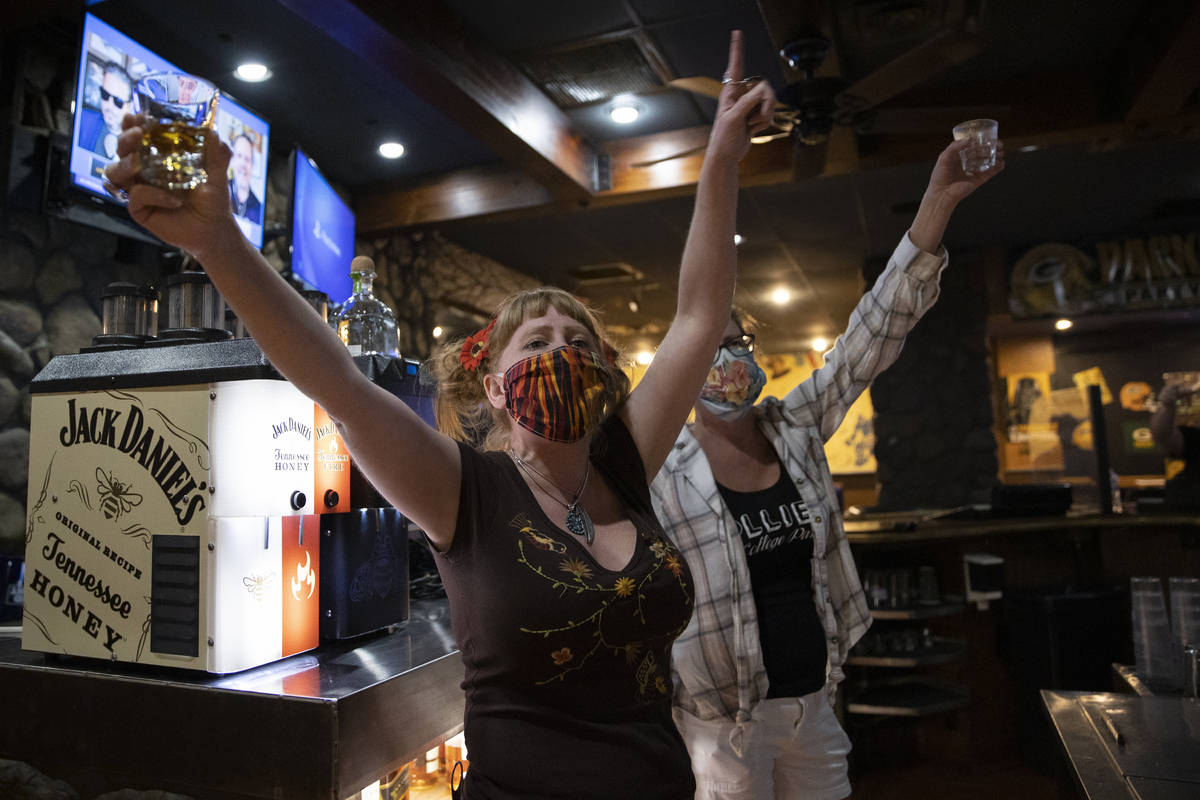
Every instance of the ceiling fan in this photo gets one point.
(818, 103)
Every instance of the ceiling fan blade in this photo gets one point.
(681, 154)
(709, 87)
(911, 68)
(930, 119)
(765, 137)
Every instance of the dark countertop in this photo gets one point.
(910, 527)
(1148, 751)
(322, 724)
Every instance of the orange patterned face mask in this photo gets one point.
(558, 395)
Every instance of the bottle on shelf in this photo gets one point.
(365, 325)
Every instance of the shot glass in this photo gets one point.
(180, 111)
(980, 154)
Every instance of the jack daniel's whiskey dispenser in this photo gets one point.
(364, 552)
(174, 511)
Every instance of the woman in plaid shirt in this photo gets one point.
(747, 496)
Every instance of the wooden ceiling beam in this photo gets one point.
(461, 194)
(506, 193)
(1170, 69)
(500, 192)
(428, 50)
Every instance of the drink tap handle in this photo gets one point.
(301, 542)
(266, 533)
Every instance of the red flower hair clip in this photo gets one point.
(475, 348)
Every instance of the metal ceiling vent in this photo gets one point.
(614, 272)
(591, 72)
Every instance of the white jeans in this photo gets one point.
(795, 748)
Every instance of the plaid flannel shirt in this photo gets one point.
(717, 661)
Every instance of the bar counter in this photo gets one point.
(1060, 622)
(1126, 747)
(322, 724)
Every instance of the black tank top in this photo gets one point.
(777, 536)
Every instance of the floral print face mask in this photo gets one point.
(733, 385)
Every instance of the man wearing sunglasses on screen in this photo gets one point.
(747, 496)
(98, 131)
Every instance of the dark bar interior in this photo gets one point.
(201, 594)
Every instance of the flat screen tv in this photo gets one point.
(109, 64)
(247, 136)
(322, 232)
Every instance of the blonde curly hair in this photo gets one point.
(462, 408)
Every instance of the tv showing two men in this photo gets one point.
(110, 64)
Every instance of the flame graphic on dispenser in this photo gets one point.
(305, 575)
(301, 565)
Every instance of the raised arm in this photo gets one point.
(416, 468)
(948, 186)
(660, 403)
(899, 298)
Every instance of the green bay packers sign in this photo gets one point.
(1161, 271)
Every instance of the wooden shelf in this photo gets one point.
(909, 698)
(942, 651)
(919, 612)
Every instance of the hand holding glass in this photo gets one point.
(980, 155)
(180, 112)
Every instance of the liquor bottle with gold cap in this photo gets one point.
(365, 325)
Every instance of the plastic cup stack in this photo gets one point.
(1185, 616)
(1155, 660)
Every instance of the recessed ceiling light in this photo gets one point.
(1029, 148)
(391, 149)
(781, 296)
(820, 344)
(737, 239)
(252, 72)
(1063, 324)
(437, 331)
(633, 306)
(644, 357)
(623, 113)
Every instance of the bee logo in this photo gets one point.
(115, 497)
(257, 585)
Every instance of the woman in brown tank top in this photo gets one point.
(564, 594)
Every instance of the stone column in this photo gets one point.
(934, 444)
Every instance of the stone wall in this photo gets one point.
(428, 280)
(51, 276)
(934, 445)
